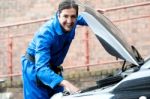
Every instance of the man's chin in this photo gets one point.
(67, 30)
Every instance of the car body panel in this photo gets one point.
(110, 41)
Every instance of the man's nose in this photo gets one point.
(69, 20)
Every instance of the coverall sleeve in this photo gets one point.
(81, 21)
(42, 59)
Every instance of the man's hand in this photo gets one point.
(69, 87)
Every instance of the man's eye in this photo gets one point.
(65, 16)
(73, 16)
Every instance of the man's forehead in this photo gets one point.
(69, 11)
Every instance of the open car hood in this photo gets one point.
(109, 35)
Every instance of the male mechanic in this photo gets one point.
(41, 68)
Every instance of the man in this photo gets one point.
(41, 64)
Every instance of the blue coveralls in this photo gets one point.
(49, 46)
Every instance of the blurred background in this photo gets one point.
(20, 19)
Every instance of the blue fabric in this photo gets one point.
(49, 46)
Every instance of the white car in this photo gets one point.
(133, 79)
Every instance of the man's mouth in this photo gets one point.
(69, 26)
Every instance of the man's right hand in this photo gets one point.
(69, 87)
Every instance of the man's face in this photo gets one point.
(67, 18)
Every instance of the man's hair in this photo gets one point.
(66, 4)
